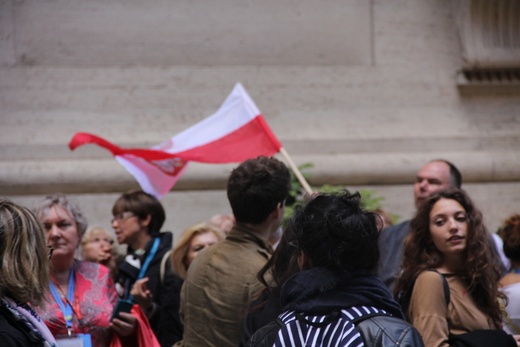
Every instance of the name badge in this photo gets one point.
(78, 340)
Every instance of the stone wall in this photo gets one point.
(365, 90)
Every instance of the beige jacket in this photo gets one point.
(220, 283)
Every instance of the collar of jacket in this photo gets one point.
(166, 243)
(319, 290)
(242, 234)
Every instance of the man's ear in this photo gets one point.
(278, 211)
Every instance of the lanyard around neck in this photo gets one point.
(145, 266)
(149, 258)
(66, 307)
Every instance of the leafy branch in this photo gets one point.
(371, 201)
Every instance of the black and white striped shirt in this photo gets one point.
(334, 329)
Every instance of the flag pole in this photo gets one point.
(296, 171)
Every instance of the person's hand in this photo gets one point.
(124, 325)
(142, 294)
(517, 339)
(104, 256)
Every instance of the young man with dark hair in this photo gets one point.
(222, 279)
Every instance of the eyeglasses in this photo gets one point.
(51, 250)
(122, 216)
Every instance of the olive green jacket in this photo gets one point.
(220, 283)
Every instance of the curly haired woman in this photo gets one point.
(450, 244)
(510, 283)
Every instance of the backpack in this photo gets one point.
(164, 259)
(375, 327)
(404, 297)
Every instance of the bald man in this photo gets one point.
(435, 176)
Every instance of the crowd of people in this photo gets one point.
(332, 274)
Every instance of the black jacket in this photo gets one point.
(319, 291)
(165, 320)
(14, 333)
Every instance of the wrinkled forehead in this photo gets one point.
(57, 212)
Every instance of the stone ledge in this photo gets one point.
(26, 177)
(297, 147)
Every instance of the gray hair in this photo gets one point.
(42, 208)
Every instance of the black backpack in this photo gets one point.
(382, 329)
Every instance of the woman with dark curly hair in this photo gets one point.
(450, 244)
(326, 289)
(510, 283)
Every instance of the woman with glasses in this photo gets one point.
(137, 222)
(24, 277)
(82, 294)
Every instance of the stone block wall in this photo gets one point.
(365, 90)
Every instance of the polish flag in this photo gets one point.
(236, 132)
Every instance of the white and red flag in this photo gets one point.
(236, 132)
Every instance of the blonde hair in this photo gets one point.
(96, 230)
(178, 258)
(24, 272)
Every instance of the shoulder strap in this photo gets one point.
(164, 259)
(447, 295)
(405, 297)
(445, 287)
